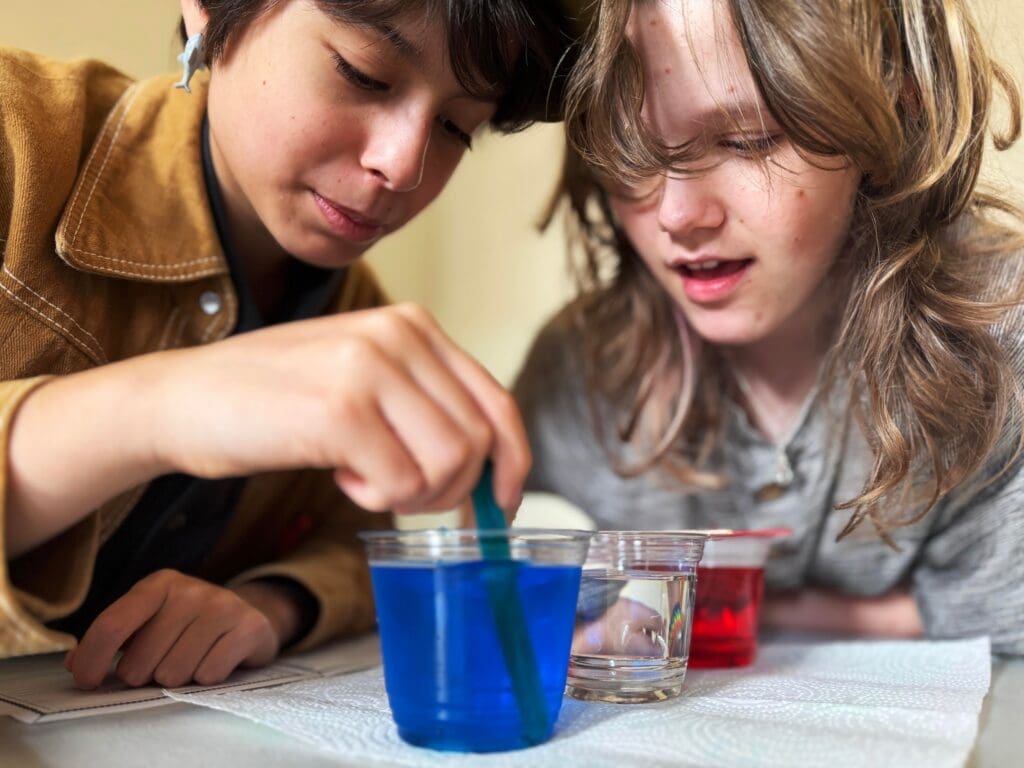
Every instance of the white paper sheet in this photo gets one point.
(36, 689)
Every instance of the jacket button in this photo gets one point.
(210, 302)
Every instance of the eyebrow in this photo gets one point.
(409, 51)
(393, 36)
(739, 110)
(730, 114)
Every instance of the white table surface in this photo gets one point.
(183, 736)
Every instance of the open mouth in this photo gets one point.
(713, 269)
(712, 280)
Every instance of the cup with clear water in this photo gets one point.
(634, 616)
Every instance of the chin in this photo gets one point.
(727, 332)
(324, 252)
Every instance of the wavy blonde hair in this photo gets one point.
(903, 90)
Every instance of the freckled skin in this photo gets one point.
(792, 218)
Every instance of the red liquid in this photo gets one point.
(725, 618)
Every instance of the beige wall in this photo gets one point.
(474, 258)
(1003, 23)
(137, 36)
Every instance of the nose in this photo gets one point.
(689, 205)
(396, 150)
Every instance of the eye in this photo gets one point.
(635, 191)
(752, 146)
(453, 130)
(357, 78)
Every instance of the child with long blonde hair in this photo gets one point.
(796, 306)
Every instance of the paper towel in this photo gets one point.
(850, 704)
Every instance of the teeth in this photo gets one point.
(703, 265)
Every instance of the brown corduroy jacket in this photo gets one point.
(107, 244)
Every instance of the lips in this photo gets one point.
(713, 269)
(346, 222)
(711, 280)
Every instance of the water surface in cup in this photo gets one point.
(447, 680)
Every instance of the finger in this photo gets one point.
(588, 638)
(112, 628)
(412, 347)
(147, 649)
(453, 496)
(449, 438)
(439, 448)
(639, 629)
(431, 370)
(68, 659)
(247, 643)
(446, 456)
(510, 450)
(181, 662)
(381, 470)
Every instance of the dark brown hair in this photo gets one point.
(516, 50)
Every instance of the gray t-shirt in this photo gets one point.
(964, 562)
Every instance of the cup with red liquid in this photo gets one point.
(730, 587)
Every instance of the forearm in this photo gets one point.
(894, 615)
(75, 443)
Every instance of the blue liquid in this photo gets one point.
(445, 674)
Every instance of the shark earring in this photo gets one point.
(192, 60)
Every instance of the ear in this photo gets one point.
(193, 13)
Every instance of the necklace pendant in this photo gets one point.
(783, 470)
(769, 492)
(782, 480)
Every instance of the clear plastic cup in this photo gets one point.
(446, 669)
(633, 619)
(731, 587)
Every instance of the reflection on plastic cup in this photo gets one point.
(731, 577)
(446, 676)
(633, 619)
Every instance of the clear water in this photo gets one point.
(633, 635)
(445, 674)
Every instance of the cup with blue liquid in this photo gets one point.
(456, 624)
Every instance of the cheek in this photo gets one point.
(440, 165)
(810, 220)
(276, 128)
(299, 134)
(640, 223)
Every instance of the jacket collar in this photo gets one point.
(140, 209)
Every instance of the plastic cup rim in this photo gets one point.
(568, 534)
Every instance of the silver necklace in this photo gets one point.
(783, 475)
